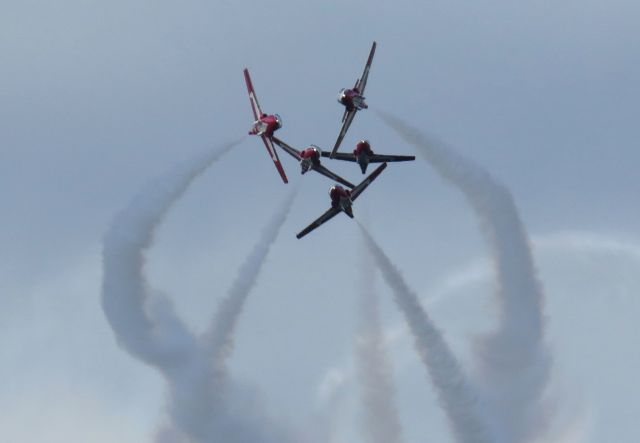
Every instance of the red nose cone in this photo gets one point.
(336, 192)
(310, 152)
(363, 147)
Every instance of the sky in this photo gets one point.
(97, 100)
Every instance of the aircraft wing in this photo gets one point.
(324, 171)
(293, 152)
(362, 81)
(366, 182)
(331, 212)
(274, 156)
(345, 114)
(343, 131)
(341, 156)
(378, 158)
(252, 95)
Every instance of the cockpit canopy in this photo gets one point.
(342, 95)
(278, 120)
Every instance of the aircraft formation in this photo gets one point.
(345, 193)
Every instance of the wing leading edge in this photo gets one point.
(328, 215)
(343, 131)
(361, 83)
(255, 106)
(333, 176)
(341, 156)
(380, 158)
(367, 181)
(293, 152)
(375, 158)
(274, 156)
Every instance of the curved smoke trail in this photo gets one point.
(146, 326)
(513, 361)
(380, 416)
(203, 400)
(126, 296)
(454, 391)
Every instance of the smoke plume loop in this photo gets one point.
(513, 362)
(204, 404)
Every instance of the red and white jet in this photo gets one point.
(363, 155)
(341, 201)
(309, 159)
(264, 126)
(353, 101)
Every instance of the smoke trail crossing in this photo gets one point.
(454, 392)
(380, 418)
(125, 291)
(146, 326)
(208, 386)
(514, 362)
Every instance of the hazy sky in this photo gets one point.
(98, 98)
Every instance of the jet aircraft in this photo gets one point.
(341, 201)
(309, 159)
(353, 101)
(264, 126)
(363, 155)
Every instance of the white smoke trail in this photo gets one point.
(454, 392)
(514, 363)
(145, 323)
(203, 402)
(126, 296)
(219, 337)
(381, 423)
